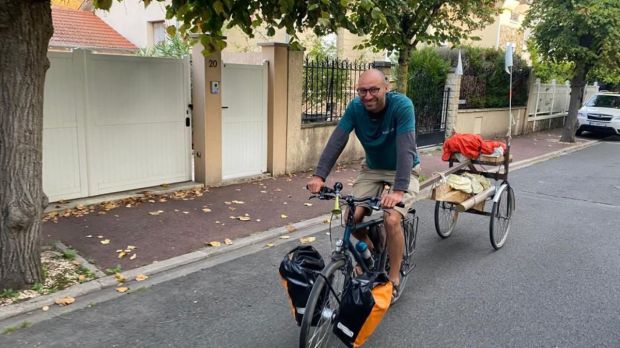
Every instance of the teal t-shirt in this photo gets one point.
(378, 136)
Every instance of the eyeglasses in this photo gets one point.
(373, 91)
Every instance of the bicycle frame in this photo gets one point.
(345, 243)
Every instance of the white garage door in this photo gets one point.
(244, 120)
(114, 123)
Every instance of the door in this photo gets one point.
(244, 120)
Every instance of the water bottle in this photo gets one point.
(362, 248)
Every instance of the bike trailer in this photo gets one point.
(298, 271)
(363, 305)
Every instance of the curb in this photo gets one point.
(301, 229)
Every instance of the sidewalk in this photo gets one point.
(162, 230)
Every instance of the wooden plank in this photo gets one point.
(445, 193)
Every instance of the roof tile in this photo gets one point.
(84, 29)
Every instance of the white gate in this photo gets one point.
(244, 120)
(114, 123)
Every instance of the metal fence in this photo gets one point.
(329, 85)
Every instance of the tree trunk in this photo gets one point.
(25, 31)
(403, 70)
(577, 85)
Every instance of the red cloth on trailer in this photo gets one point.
(469, 145)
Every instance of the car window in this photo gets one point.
(605, 101)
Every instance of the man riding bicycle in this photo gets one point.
(384, 123)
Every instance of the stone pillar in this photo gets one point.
(453, 82)
(277, 99)
(207, 116)
(386, 69)
(295, 94)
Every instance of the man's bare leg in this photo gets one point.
(360, 213)
(395, 243)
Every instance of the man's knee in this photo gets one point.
(392, 222)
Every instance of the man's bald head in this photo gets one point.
(371, 88)
(375, 76)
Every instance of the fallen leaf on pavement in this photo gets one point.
(206, 210)
(131, 247)
(81, 278)
(89, 236)
(291, 228)
(228, 241)
(269, 245)
(122, 289)
(156, 212)
(283, 216)
(64, 301)
(227, 203)
(257, 220)
(285, 237)
(238, 202)
(307, 240)
(141, 277)
(244, 218)
(105, 241)
(214, 244)
(308, 204)
(45, 308)
(133, 257)
(122, 254)
(263, 192)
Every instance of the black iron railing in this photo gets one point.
(328, 86)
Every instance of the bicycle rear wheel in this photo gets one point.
(445, 218)
(316, 330)
(500, 217)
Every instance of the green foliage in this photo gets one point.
(583, 32)
(208, 19)
(427, 76)
(485, 83)
(87, 273)
(9, 330)
(8, 293)
(114, 270)
(318, 49)
(547, 70)
(175, 46)
(394, 25)
(38, 287)
(69, 254)
(324, 77)
(400, 25)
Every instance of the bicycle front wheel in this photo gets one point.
(322, 306)
(410, 228)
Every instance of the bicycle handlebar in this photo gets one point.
(327, 193)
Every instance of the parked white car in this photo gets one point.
(600, 114)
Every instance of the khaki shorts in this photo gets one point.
(370, 182)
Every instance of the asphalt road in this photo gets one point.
(554, 284)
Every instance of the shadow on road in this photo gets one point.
(600, 136)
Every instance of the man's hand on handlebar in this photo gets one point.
(391, 199)
(315, 184)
